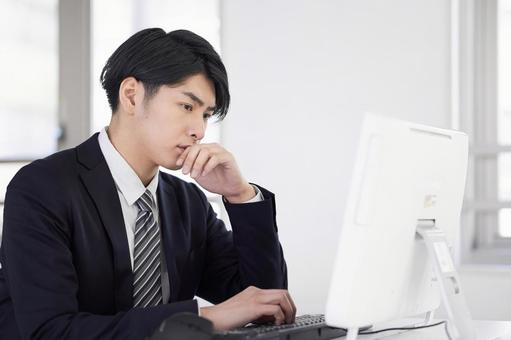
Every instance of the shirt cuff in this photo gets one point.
(257, 198)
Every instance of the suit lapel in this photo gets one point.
(174, 234)
(101, 187)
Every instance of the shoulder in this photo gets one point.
(40, 195)
(48, 174)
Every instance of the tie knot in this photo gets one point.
(145, 202)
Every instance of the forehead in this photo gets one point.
(199, 85)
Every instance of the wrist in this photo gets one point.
(204, 312)
(244, 195)
(208, 313)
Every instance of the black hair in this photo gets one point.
(157, 58)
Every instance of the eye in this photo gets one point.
(187, 107)
(207, 116)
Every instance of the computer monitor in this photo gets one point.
(404, 175)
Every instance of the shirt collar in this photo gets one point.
(126, 179)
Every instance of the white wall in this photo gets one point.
(301, 74)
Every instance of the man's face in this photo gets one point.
(173, 119)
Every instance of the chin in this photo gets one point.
(171, 165)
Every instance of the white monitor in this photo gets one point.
(404, 173)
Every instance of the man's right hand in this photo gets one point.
(252, 305)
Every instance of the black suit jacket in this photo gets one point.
(66, 271)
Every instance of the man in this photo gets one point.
(97, 243)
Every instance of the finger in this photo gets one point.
(218, 156)
(290, 317)
(190, 158)
(292, 304)
(264, 320)
(182, 157)
(279, 298)
(272, 310)
(224, 156)
(210, 165)
(198, 165)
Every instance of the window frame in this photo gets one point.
(478, 104)
(74, 72)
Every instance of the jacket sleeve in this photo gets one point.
(250, 255)
(37, 262)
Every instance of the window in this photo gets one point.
(29, 126)
(486, 116)
(28, 94)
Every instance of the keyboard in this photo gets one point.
(306, 327)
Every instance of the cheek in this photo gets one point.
(163, 126)
(163, 131)
(150, 119)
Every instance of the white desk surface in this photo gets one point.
(486, 330)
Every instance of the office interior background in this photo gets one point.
(301, 73)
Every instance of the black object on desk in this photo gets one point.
(190, 326)
(184, 326)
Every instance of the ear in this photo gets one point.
(129, 93)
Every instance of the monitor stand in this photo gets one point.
(461, 326)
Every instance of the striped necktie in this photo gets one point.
(147, 271)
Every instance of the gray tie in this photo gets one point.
(147, 282)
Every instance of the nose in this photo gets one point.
(197, 129)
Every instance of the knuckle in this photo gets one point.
(210, 166)
(250, 290)
(188, 162)
(198, 163)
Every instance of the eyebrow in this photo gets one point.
(198, 100)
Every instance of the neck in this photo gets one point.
(129, 149)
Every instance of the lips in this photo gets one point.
(182, 148)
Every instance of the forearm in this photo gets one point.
(250, 255)
(255, 237)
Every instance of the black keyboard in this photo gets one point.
(306, 327)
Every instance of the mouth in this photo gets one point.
(182, 148)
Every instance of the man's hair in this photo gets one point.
(157, 58)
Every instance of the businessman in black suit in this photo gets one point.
(97, 243)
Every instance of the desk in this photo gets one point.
(486, 330)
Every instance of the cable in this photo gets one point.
(410, 329)
(447, 331)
